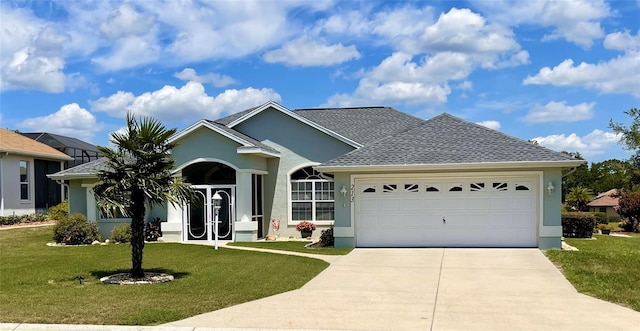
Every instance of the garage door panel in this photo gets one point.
(483, 213)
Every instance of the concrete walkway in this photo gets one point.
(429, 289)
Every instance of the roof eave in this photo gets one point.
(257, 151)
(34, 154)
(71, 176)
(451, 166)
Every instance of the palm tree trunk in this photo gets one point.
(137, 233)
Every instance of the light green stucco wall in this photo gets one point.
(207, 144)
(77, 197)
(299, 145)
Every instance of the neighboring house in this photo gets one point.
(383, 178)
(81, 151)
(605, 203)
(24, 166)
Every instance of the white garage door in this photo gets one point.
(470, 212)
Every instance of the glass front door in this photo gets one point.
(201, 215)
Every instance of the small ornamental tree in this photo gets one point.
(579, 197)
(138, 176)
(629, 207)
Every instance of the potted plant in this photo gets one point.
(305, 228)
(605, 228)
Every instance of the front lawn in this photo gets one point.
(37, 282)
(606, 268)
(293, 246)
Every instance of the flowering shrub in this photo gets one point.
(629, 207)
(305, 226)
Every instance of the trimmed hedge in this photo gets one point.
(578, 225)
(15, 219)
(59, 211)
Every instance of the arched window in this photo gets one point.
(312, 196)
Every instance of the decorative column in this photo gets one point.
(172, 229)
(245, 229)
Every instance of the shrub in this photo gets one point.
(629, 207)
(601, 218)
(578, 225)
(75, 230)
(59, 211)
(10, 220)
(326, 238)
(153, 231)
(121, 233)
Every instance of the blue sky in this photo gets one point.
(556, 71)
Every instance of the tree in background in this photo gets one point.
(138, 176)
(631, 139)
(579, 197)
(610, 174)
(579, 176)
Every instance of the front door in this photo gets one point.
(201, 215)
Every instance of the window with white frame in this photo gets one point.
(312, 196)
(24, 180)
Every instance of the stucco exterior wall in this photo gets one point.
(10, 182)
(205, 144)
(300, 146)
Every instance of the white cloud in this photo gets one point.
(622, 41)
(618, 75)
(560, 112)
(495, 125)
(126, 21)
(31, 56)
(187, 103)
(576, 21)
(70, 120)
(595, 143)
(32, 72)
(130, 52)
(305, 52)
(217, 80)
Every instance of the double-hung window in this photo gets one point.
(24, 180)
(312, 196)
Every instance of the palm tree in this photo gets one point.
(138, 176)
(579, 197)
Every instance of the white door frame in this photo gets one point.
(209, 211)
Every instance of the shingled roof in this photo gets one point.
(89, 169)
(243, 136)
(364, 125)
(15, 143)
(446, 139)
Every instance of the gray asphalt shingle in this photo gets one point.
(446, 139)
(364, 125)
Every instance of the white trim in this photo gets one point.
(256, 150)
(252, 171)
(276, 106)
(206, 124)
(204, 159)
(36, 155)
(289, 202)
(452, 166)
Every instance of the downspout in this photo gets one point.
(2, 184)
(570, 172)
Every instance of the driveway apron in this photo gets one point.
(429, 289)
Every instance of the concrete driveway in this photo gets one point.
(429, 289)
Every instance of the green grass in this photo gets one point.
(293, 246)
(607, 268)
(37, 286)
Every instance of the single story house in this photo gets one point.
(605, 203)
(24, 166)
(381, 177)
